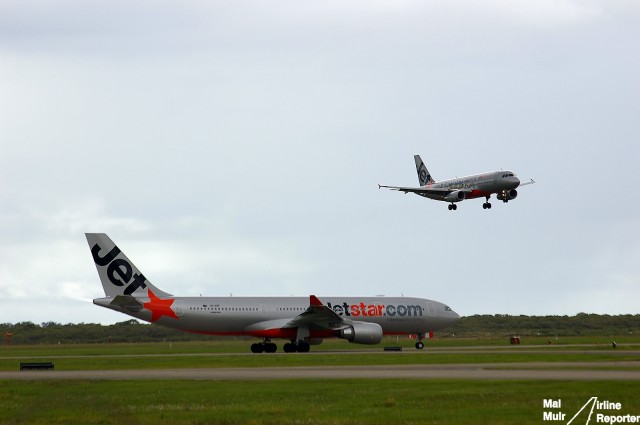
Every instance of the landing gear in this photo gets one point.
(266, 347)
(300, 347)
(420, 344)
(486, 205)
(453, 207)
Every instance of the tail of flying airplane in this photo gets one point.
(119, 276)
(423, 174)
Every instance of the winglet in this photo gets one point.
(313, 300)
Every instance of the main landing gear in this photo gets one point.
(452, 207)
(300, 347)
(486, 205)
(290, 347)
(266, 347)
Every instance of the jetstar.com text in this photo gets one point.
(375, 310)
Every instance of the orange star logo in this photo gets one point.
(159, 307)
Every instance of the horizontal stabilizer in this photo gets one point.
(120, 302)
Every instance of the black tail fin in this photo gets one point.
(119, 276)
(423, 174)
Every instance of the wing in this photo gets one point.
(317, 316)
(425, 190)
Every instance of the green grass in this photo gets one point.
(227, 345)
(216, 354)
(305, 401)
(264, 360)
(298, 402)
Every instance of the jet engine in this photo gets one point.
(507, 195)
(362, 333)
(455, 196)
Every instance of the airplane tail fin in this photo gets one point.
(119, 276)
(423, 174)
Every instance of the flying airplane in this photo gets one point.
(502, 183)
(304, 321)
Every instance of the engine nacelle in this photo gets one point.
(455, 196)
(507, 195)
(362, 333)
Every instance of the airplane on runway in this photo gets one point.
(304, 321)
(502, 183)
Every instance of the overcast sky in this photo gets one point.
(236, 147)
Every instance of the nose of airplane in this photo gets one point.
(453, 316)
(446, 316)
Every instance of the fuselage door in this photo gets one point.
(178, 308)
(431, 309)
(263, 310)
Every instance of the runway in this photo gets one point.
(552, 371)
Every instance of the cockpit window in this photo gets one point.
(508, 175)
(447, 308)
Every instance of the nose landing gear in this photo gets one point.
(420, 344)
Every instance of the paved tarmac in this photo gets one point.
(582, 371)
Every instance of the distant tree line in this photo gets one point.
(498, 325)
(129, 331)
(582, 324)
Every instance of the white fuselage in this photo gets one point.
(268, 316)
(477, 185)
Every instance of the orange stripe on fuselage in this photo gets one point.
(288, 333)
(475, 193)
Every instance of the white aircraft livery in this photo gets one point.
(304, 321)
(502, 183)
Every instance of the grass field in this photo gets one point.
(297, 402)
(305, 401)
(224, 353)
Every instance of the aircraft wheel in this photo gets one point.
(257, 348)
(419, 345)
(303, 347)
(270, 347)
(454, 207)
(488, 205)
(290, 347)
